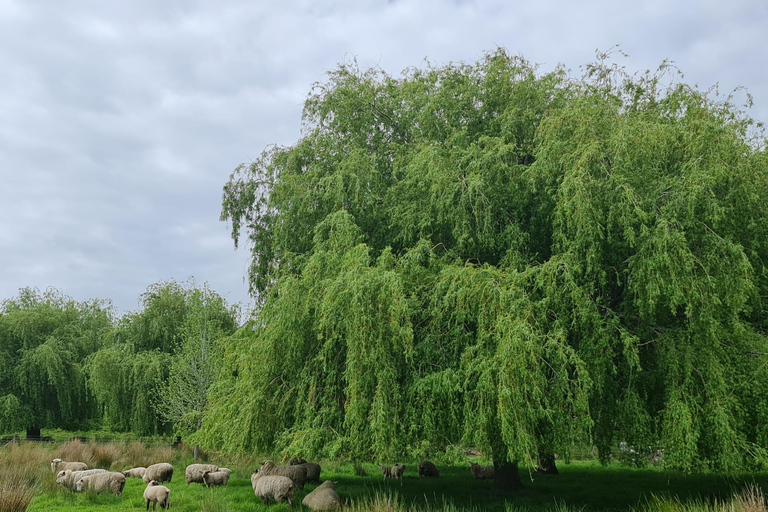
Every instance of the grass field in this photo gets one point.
(26, 479)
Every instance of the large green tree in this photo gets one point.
(44, 339)
(519, 260)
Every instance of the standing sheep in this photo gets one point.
(102, 482)
(272, 487)
(393, 471)
(220, 477)
(324, 497)
(69, 478)
(161, 472)
(481, 472)
(135, 472)
(313, 470)
(194, 472)
(155, 494)
(296, 473)
(59, 465)
(426, 468)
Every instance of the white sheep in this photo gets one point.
(155, 493)
(194, 472)
(68, 478)
(59, 465)
(220, 477)
(161, 472)
(272, 487)
(324, 497)
(135, 472)
(393, 471)
(102, 482)
(296, 473)
(481, 472)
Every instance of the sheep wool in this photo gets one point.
(313, 470)
(135, 472)
(272, 487)
(59, 465)
(102, 482)
(157, 494)
(393, 471)
(324, 497)
(220, 477)
(194, 472)
(428, 469)
(161, 472)
(69, 478)
(296, 473)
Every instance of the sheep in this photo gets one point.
(480, 472)
(426, 468)
(313, 470)
(135, 472)
(68, 478)
(220, 477)
(393, 471)
(324, 497)
(161, 472)
(102, 482)
(194, 472)
(155, 494)
(59, 465)
(275, 487)
(296, 473)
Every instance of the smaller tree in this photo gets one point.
(184, 397)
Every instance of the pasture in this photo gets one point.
(25, 474)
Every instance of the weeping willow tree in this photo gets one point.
(44, 341)
(489, 255)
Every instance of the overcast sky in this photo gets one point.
(120, 122)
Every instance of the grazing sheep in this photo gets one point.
(393, 471)
(155, 494)
(161, 472)
(102, 482)
(480, 472)
(272, 487)
(313, 470)
(194, 472)
(426, 468)
(296, 473)
(220, 477)
(324, 497)
(135, 472)
(68, 478)
(59, 465)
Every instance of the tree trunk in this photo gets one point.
(506, 477)
(196, 454)
(546, 464)
(33, 433)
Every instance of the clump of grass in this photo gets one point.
(76, 451)
(751, 499)
(16, 493)
(359, 469)
(104, 454)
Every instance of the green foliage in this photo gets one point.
(487, 254)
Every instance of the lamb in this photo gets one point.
(135, 472)
(59, 465)
(161, 472)
(393, 471)
(480, 472)
(155, 494)
(69, 478)
(220, 477)
(296, 473)
(324, 497)
(313, 470)
(102, 482)
(272, 487)
(426, 468)
(194, 472)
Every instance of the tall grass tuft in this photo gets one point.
(751, 499)
(104, 454)
(76, 451)
(16, 493)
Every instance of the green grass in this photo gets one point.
(581, 486)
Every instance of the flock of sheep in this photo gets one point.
(270, 482)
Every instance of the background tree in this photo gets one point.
(44, 339)
(568, 259)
